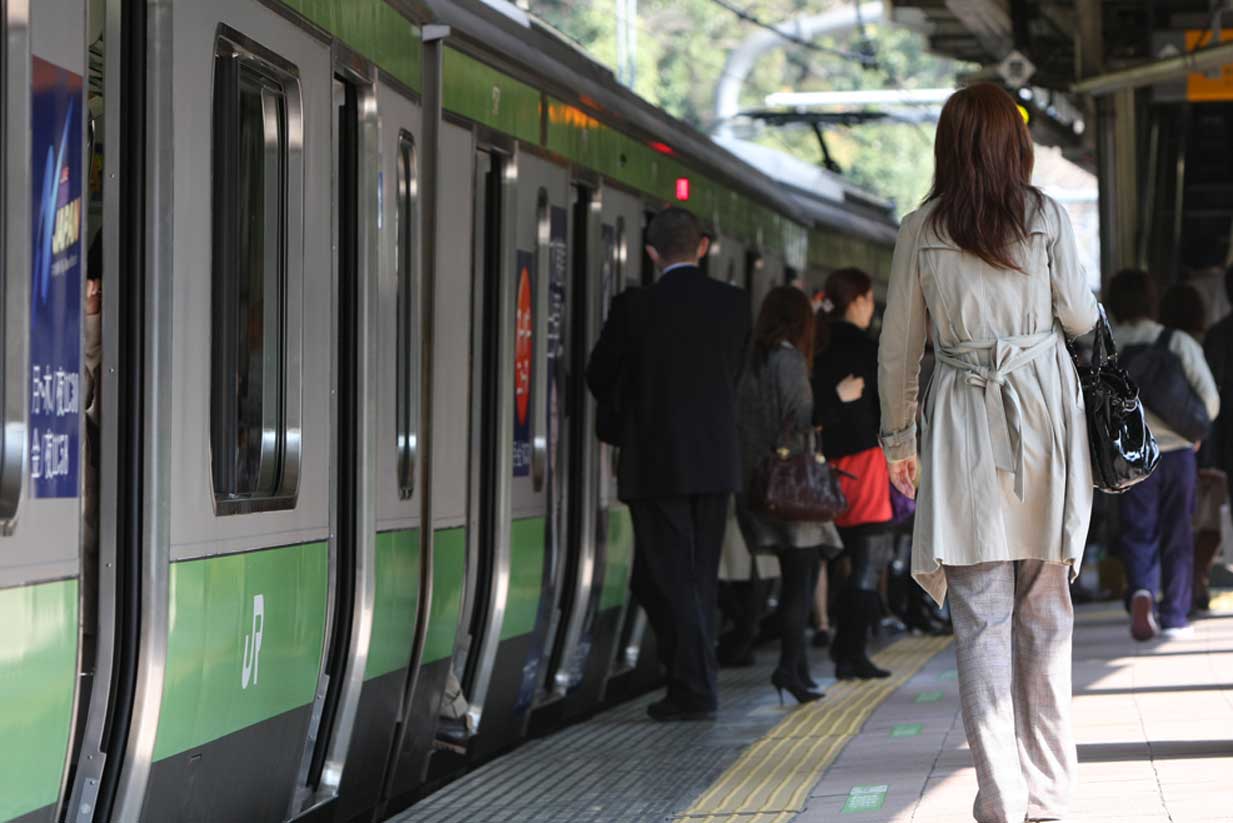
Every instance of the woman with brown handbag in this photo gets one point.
(774, 411)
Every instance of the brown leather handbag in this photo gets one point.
(797, 487)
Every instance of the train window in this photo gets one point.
(254, 436)
(407, 206)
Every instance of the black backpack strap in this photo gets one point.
(1166, 337)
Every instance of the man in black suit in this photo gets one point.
(673, 353)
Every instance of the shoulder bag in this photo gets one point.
(1123, 448)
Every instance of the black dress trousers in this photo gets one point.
(676, 578)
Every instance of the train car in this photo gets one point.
(297, 300)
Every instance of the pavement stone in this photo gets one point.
(1153, 723)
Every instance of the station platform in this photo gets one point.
(1154, 724)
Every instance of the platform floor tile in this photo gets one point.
(618, 767)
(1154, 725)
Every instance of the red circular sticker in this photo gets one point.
(522, 347)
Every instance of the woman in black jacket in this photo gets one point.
(846, 406)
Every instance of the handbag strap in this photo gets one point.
(787, 430)
(1104, 349)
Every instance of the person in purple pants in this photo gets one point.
(1156, 540)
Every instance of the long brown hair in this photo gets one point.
(786, 314)
(982, 180)
(843, 287)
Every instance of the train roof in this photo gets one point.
(534, 52)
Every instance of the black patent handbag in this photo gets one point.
(1124, 450)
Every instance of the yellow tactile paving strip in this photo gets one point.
(772, 779)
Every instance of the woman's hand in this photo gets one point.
(903, 476)
(851, 388)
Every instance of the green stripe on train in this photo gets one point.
(38, 661)
(620, 556)
(526, 576)
(396, 607)
(449, 574)
(245, 642)
(395, 602)
(372, 28)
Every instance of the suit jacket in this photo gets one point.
(681, 367)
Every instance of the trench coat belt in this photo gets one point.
(1005, 414)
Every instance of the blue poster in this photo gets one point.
(55, 284)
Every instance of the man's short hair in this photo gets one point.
(1131, 296)
(674, 234)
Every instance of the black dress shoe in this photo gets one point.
(859, 669)
(821, 639)
(666, 711)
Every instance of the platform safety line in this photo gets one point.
(827, 726)
(811, 737)
(760, 758)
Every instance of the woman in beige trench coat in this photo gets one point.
(988, 266)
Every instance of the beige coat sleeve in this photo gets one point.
(1074, 305)
(902, 345)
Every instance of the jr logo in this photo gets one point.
(252, 643)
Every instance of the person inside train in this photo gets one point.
(990, 263)
(673, 352)
(776, 410)
(845, 403)
(1155, 536)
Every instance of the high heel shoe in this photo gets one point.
(782, 682)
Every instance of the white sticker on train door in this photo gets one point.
(252, 643)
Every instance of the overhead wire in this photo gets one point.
(753, 19)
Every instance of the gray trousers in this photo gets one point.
(1013, 624)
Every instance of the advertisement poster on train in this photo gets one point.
(524, 355)
(554, 353)
(55, 283)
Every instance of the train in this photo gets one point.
(297, 300)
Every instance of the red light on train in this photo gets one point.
(682, 189)
(662, 148)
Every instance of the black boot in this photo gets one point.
(864, 608)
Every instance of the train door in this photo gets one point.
(239, 566)
(601, 550)
(398, 565)
(494, 291)
(510, 557)
(446, 570)
(355, 386)
(574, 567)
(42, 143)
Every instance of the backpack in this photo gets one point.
(1164, 389)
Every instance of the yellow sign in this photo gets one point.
(1216, 84)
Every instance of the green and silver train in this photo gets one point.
(337, 452)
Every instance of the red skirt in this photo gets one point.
(868, 491)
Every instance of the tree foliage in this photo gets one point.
(682, 51)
